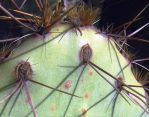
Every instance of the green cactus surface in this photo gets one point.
(84, 73)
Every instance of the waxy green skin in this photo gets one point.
(47, 60)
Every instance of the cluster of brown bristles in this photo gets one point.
(76, 15)
(48, 17)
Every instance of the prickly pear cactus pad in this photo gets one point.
(69, 73)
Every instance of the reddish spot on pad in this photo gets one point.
(67, 84)
(87, 95)
(90, 71)
(53, 107)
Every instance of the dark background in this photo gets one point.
(118, 12)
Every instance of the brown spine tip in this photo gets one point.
(84, 112)
(85, 53)
(23, 70)
(119, 83)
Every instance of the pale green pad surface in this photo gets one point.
(46, 61)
